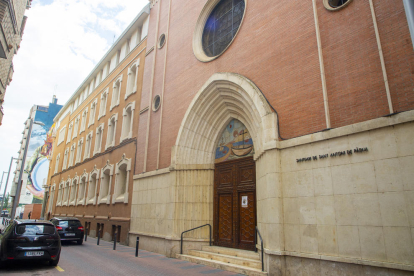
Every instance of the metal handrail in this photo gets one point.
(181, 251)
(255, 242)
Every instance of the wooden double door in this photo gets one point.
(235, 203)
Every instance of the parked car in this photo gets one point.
(69, 229)
(29, 239)
(4, 214)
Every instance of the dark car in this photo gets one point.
(30, 239)
(69, 229)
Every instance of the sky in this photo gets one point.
(62, 42)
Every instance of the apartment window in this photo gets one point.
(62, 133)
(72, 155)
(65, 159)
(93, 185)
(68, 139)
(60, 194)
(102, 106)
(83, 121)
(73, 190)
(79, 151)
(116, 92)
(57, 163)
(110, 139)
(98, 139)
(106, 181)
(132, 79)
(123, 169)
(76, 127)
(88, 145)
(82, 189)
(66, 193)
(93, 113)
(127, 121)
(51, 199)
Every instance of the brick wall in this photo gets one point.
(276, 48)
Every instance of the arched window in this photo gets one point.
(88, 145)
(76, 127)
(98, 139)
(73, 190)
(68, 139)
(60, 194)
(92, 187)
(79, 152)
(122, 172)
(93, 113)
(132, 79)
(116, 92)
(83, 121)
(102, 107)
(66, 192)
(110, 139)
(106, 181)
(51, 199)
(57, 163)
(72, 155)
(65, 159)
(127, 121)
(82, 189)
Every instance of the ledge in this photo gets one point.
(120, 219)
(152, 173)
(341, 259)
(400, 118)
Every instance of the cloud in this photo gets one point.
(62, 42)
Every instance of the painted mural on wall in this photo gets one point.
(235, 142)
(40, 152)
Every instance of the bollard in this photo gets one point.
(86, 234)
(99, 236)
(115, 241)
(136, 249)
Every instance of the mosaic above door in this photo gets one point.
(235, 142)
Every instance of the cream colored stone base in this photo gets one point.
(295, 266)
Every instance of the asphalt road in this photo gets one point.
(91, 259)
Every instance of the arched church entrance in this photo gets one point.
(235, 188)
(227, 126)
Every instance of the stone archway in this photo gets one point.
(224, 97)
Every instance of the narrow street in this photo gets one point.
(91, 259)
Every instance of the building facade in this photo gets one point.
(38, 153)
(91, 171)
(295, 117)
(12, 22)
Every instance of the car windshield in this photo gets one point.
(34, 229)
(69, 223)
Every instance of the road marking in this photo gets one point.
(59, 268)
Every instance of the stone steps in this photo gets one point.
(234, 260)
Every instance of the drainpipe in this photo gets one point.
(409, 12)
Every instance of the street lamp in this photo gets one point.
(19, 183)
(1, 183)
(7, 181)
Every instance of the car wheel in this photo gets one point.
(54, 262)
(79, 241)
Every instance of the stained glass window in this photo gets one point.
(222, 25)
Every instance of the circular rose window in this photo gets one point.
(334, 5)
(217, 27)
